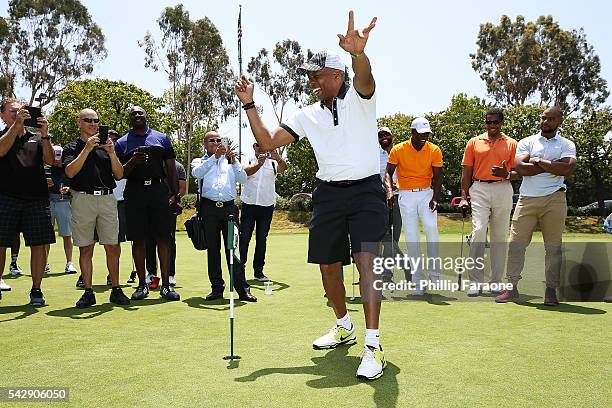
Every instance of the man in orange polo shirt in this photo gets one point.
(488, 162)
(419, 168)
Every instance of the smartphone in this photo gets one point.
(103, 134)
(225, 142)
(35, 113)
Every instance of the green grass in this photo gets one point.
(441, 352)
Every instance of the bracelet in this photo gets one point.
(361, 54)
(249, 105)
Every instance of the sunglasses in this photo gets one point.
(492, 122)
(214, 140)
(90, 120)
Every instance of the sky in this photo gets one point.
(419, 50)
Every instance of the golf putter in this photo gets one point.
(353, 264)
(455, 202)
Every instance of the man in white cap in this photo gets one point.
(419, 166)
(349, 200)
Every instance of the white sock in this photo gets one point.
(344, 321)
(14, 258)
(372, 338)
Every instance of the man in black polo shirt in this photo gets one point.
(24, 198)
(93, 169)
(144, 153)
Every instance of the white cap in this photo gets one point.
(57, 152)
(385, 129)
(323, 59)
(421, 125)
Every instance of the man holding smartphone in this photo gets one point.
(92, 169)
(24, 198)
(149, 202)
(349, 200)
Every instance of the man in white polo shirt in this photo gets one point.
(258, 199)
(349, 201)
(544, 160)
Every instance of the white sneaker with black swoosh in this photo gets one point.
(337, 335)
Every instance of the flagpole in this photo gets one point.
(232, 244)
(240, 74)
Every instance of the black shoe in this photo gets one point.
(141, 293)
(109, 282)
(168, 293)
(36, 297)
(118, 297)
(132, 278)
(260, 277)
(246, 296)
(88, 299)
(214, 295)
(80, 283)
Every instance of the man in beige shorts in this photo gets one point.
(92, 166)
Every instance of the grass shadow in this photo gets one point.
(276, 285)
(336, 369)
(201, 303)
(100, 309)
(564, 308)
(25, 310)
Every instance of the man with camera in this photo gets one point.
(24, 198)
(149, 202)
(258, 199)
(91, 164)
(349, 201)
(217, 173)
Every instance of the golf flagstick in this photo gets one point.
(232, 245)
(455, 202)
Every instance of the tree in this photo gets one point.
(48, 43)
(111, 100)
(196, 64)
(538, 62)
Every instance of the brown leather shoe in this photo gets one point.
(508, 296)
(550, 297)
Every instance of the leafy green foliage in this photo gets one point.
(539, 62)
(110, 99)
(45, 44)
(300, 176)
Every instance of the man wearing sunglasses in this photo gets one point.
(149, 202)
(488, 163)
(92, 169)
(217, 174)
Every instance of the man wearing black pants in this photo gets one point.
(258, 200)
(218, 171)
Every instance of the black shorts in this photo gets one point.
(32, 217)
(358, 211)
(147, 212)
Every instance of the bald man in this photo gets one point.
(93, 167)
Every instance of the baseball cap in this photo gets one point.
(421, 125)
(385, 129)
(57, 152)
(323, 59)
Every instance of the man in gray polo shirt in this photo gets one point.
(544, 160)
(349, 200)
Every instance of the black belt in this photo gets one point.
(219, 204)
(149, 182)
(489, 181)
(97, 192)
(349, 183)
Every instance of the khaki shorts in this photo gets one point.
(94, 213)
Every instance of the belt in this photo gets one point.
(100, 192)
(219, 204)
(488, 181)
(149, 182)
(418, 189)
(349, 183)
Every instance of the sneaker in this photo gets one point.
(168, 293)
(262, 278)
(3, 286)
(132, 278)
(109, 282)
(14, 269)
(337, 335)
(154, 283)
(87, 299)
(118, 297)
(172, 280)
(508, 296)
(141, 293)
(372, 363)
(550, 297)
(149, 278)
(80, 283)
(36, 297)
(474, 292)
(70, 268)
(47, 269)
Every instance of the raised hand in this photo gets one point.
(244, 89)
(500, 171)
(354, 41)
